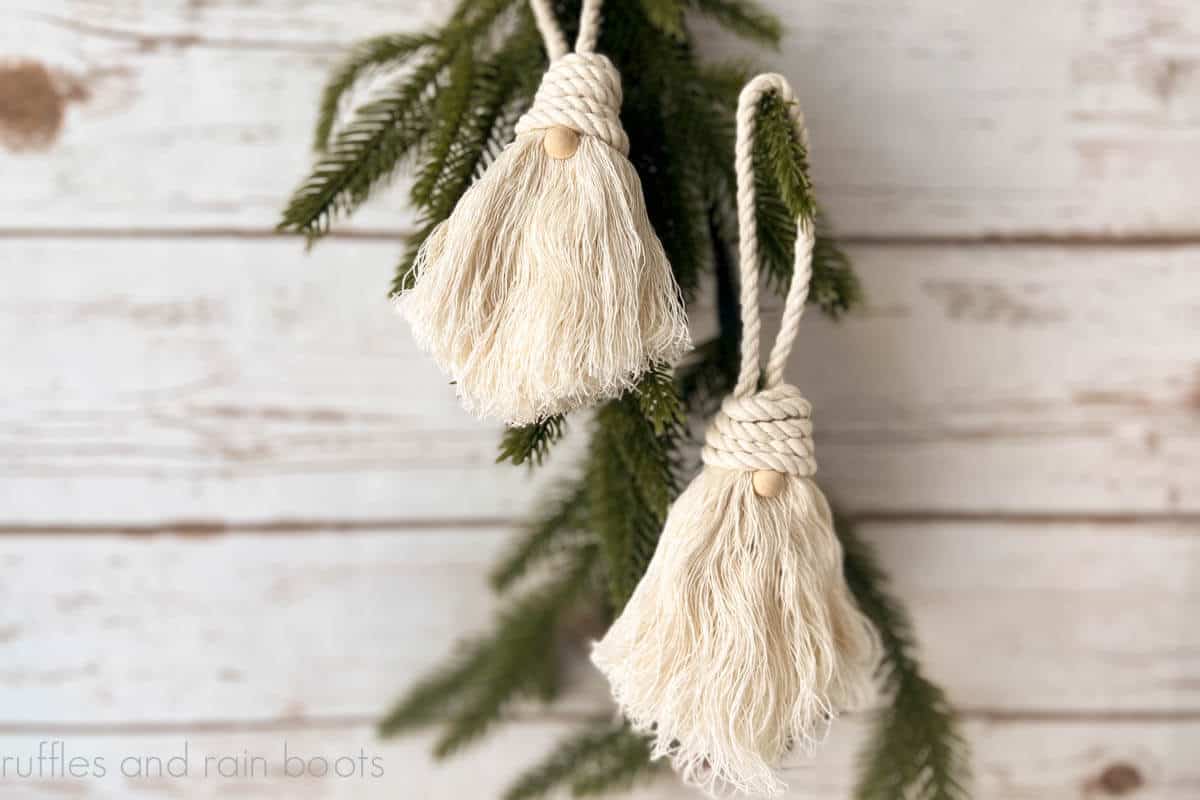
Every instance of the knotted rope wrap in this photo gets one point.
(742, 640)
(582, 92)
(770, 430)
(547, 289)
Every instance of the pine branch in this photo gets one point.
(745, 18)
(365, 153)
(833, 287)
(544, 537)
(659, 401)
(916, 751)
(451, 113)
(405, 275)
(778, 151)
(529, 444)
(451, 108)
(667, 16)
(389, 50)
(711, 369)
(429, 698)
(630, 479)
(502, 88)
(602, 758)
(517, 659)
(673, 176)
(523, 658)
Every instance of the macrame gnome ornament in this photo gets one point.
(742, 640)
(547, 289)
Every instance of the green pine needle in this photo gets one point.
(916, 751)
(630, 479)
(378, 53)
(834, 286)
(451, 108)
(783, 192)
(558, 526)
(449, 113)
(518, 659)
(365, 153)
(659, 401)
(530, 444)
(779, 151)
(667, 16)
(428, 699)
(605, 757)
(405, 274)
(472, 137)
(745, 18)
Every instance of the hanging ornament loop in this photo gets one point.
(769, 429)
(742, 640)
(580, 91)
(546, 289)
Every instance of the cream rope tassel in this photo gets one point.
(742, 640)
(547, 289)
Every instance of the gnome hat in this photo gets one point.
(547, 289)
(742, 641)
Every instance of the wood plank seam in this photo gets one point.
(1132, 240)
(149, 41)
(351, 721)
(289, 527)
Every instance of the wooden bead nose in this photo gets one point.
(560, 143)
(768, 483)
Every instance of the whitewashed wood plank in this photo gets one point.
(998, 117)
(166, 378)
(1016, 759)
(1058, 119)
(242, 380)
(106, 630)
(234, 23)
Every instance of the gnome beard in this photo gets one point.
(547, 289)
(742, 640)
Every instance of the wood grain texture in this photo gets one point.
(1015, 759)
(228, 379)
(313, 515)
(1076, 118)
(239, 380)
(1062, 619)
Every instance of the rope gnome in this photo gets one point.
(547, 289)
(742, 640)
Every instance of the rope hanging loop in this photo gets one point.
(768, 429)
(581, 90)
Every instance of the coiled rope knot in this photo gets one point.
(580, 91)
(769, 430)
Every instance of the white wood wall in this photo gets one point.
(237, 507)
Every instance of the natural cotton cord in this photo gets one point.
(580, 90)
(547, 290)
(742, 641)
(769, 429)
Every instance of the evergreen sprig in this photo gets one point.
(601, 758)
(746, 19)
(375, 54)
(916, 751)
(630, 480)
(519, 659)
(448, 108)
(564, 522)
(366, 152)
(530, 444)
